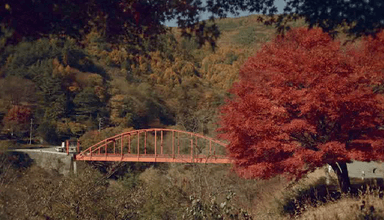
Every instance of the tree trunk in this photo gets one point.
(342, 175)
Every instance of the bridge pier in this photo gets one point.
(74, 167)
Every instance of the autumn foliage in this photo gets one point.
(304, 101)
(17, 118)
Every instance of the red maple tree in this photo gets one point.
(304, 101)
(17, 119)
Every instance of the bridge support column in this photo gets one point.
(74, 167)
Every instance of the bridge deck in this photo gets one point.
(154, 158)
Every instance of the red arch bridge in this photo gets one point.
(156, 145)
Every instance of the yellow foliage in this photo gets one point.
(154, 79)
(58, 69)
(77, 128)
(74, 87)
(118, 56)
(89, 79)
(67, 69)
(168, 76)
(100, 92)
(117, 99)
(115, 104)
(56, 62)
(188, 69)
(95, 80)
(65, 126)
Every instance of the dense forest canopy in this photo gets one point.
(70, 87)
(135, 20)
(80, 61)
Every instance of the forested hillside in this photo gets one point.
(69, 87)
(93, 89)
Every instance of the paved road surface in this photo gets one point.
(360, 169)
(50, 150)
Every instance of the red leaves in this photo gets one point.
(18, 114)
(298, 125)
(17, 119)
(301, 100)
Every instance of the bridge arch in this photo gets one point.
(157, 145)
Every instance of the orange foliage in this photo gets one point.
(18, 114)
(17, 118)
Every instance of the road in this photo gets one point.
(359, 169)
(50, 150)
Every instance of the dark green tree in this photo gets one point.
(143, 107)
(87, 104)
(52, 97)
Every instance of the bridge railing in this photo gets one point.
(157, 145)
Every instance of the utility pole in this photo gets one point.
(100, 123)
(30, 132)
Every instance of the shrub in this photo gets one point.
(231, 57)
(8, 144)
(228, 26)
(200, 209)
(246, 36)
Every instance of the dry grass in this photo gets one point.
(267, 206)
(291, 199)
(275, 195)
(369, 206)
(311, 198)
